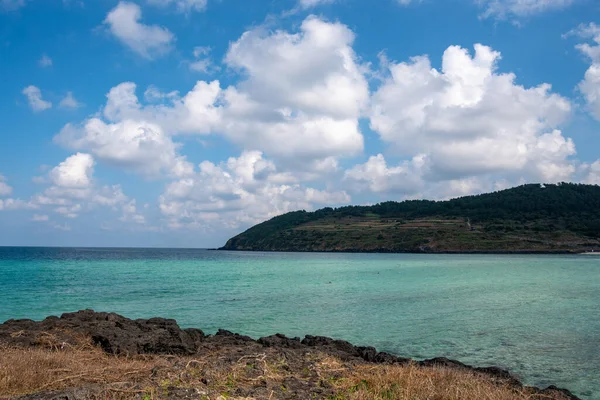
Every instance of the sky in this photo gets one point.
(180, 123)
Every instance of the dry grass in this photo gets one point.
(220, 374)
(412, 382)
(32, 370)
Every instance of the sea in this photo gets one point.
(536, 315)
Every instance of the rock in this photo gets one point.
(113, 333)
(556, 393)
(119, 335)
(340, 348)
(386, 358)
(279, 340)
(442, 362)
(230, 338)
(366, 353)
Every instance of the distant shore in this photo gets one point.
(386, 251)
(70, 357)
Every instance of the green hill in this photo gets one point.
(529, 218)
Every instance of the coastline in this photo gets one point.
(123, 337)
(448, 252)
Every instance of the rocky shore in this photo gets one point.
(300, 378)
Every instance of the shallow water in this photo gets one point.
(538, 316)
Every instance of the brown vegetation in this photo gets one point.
(267, 373)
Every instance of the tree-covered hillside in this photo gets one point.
(537, 218)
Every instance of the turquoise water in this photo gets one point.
(538, 316)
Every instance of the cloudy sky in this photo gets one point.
(182, 122)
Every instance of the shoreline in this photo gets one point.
(446, 252)
(123, 337)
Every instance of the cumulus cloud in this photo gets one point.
(299, 100)
(303, 94)
(149, 41)
(405, 181)
(127, 139)
(590, 86)
(184, 6)
(40, 218)
(376, 176)
(45, 61)
(72, 190)
(34, 97)
(69, 101)
(520, 8)
(468, 119)
(135, 145)
(242, 191)
(5, 190)
(75, 172)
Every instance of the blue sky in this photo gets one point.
(179, 123)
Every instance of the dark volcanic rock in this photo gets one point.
(552, 392)
(386, 358)
(114, 333)
(442, 362)
(279, 340)
(339, 348)
(366, 353)
(119, 335)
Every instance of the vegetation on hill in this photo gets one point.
(530, 218)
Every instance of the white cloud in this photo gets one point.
(303, 94)
(16, 204)
(592, 175)
(590, 86)
(139, 146)
(11, 5)
(34, 97)
(69, 212)
(202, 62)
(468, 119)
(241, 191)
(45, 61)
(72, 189)
(300, 101)
(5, 190)
(75, 172)
(153, 94)
(69, 101)
(520, 8)
(149, 41)
(406, 181)
(184, 6)
(39, 218)
(130, 213)
(377, 177)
